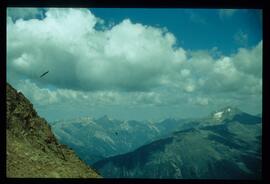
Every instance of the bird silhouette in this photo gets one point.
(44, 74)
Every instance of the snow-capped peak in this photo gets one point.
(226, 112)
(218, 115)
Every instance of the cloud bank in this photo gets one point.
(127, 63)
(127, 57)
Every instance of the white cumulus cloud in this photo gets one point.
(123, 64)
(128, 56)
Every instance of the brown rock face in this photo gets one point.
(32, 149)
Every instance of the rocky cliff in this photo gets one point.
(32, 149)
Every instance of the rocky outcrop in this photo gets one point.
(32, 149)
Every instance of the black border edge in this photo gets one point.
(265, 98)
(3, 87)
(241, 4)
(256, 4)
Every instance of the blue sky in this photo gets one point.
(195, 28)
(135, 63)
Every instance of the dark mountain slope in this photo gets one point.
(226, 150)
(32, 149)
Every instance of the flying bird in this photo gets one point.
(44, 74)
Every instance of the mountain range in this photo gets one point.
(95, 139)
(224, 145)
(227, 150)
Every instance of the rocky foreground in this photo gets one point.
(32, 149)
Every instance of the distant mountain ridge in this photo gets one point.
(230, 149)
(97, 138)
(32, 149)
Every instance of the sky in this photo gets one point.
(135, 64)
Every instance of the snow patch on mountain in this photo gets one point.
(125, 126)
(101, 135)
(152, 127)
(218, 115)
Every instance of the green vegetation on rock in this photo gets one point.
(32, 149)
